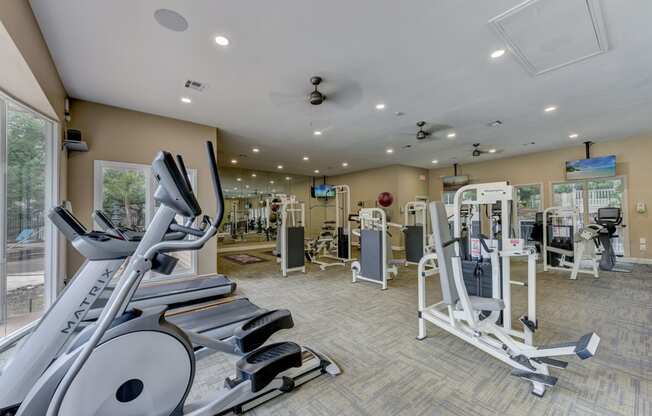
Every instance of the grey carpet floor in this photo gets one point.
(371, 334)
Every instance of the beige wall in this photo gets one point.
(18, 19)
(19, 22)
(634, 160)
(120, 135)
(403, 182)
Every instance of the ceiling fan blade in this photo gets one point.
(284, 98)
(347, 94)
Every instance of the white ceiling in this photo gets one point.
(429, 60)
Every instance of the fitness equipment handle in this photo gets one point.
(187, 230)
(217, 186)
(184, 172)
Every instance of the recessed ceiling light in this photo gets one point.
(253, 175)
(345, 164)
(279, 167)
(272, 182)
(451, 135)
(287, 178)
(492, 150)
(239, 179)
(306, 158)
(389, 151)
(317, 133)
(255, 150)
(573, 136)
(316, 170)
(550, 109)
(380, 106)
(497, 53)
(186, 100)
(234, 161)
(434, 162)
(222, 41)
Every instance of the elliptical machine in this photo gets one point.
(135, 362)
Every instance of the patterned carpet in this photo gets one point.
(371, 334)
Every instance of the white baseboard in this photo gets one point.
(635, 260)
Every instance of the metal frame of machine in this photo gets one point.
(582, 245)
(466, 316)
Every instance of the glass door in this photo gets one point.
(590, 194)
(26, 183)
(608, 192)
(528, 203)
(570, 195)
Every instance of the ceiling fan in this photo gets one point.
(478, 151)
(339, 92)
(432, 131)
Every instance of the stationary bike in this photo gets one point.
(608, 219)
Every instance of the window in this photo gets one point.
(28, 189)
(590, 194)
(528, 203)
(125, 192)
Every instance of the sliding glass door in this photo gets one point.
(590, 194)
(26, 194)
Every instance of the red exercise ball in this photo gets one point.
(385, 199)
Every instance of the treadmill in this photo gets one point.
(173, 292)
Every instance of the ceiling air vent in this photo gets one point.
(546, 35)
(196, 85)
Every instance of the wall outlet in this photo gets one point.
(641, 208)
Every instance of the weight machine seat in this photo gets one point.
(484, 304)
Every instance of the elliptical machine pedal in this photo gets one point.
(263, 365)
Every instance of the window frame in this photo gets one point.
(54, 259)
(150, 205)
(586, 219)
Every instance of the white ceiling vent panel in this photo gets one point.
(549, 34)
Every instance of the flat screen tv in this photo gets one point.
(323, 191)
(597, 167)
(453, 183)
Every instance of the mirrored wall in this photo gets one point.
(246, 197)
